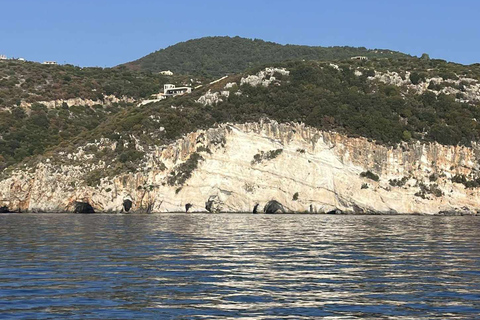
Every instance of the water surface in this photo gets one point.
(200, 266)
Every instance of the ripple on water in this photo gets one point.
(239, 266)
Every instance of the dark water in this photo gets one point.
(239, 266)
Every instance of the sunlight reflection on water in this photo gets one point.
(239, 266)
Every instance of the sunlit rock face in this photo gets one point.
(242, 165)
(107, 100)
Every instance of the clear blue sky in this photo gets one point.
(107, 33)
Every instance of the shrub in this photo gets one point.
(370, 175)
(92, 179)
(269, 155)
(398, 182)
(130, 155)
(183, 172)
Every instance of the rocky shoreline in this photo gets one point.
(243, 167)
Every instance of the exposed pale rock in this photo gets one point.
(230, 85)
(210, 98)
(326, 175)
(107, 100)
(470, 91)
(264, 77)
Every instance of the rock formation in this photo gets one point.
(328, 170)
(274, 207)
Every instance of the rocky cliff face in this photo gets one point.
(239, 168)
(107, 100)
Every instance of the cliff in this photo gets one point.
(232, 168)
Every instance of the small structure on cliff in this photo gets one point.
(167, 73)
(171, 90)
(49, 62)
(363, 58)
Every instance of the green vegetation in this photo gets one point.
(398, 182)
(370, 175)
(468, 183)
(23, 135)
(428, 189)
(93, 178)
(217, 56)
(269, 155)
(184, 171)
(25, 132)
(314, 93)
(33, 82)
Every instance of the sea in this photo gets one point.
(238, 266)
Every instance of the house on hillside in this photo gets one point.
(359, 58)
(3, 57)
(167, 73)
(49, 62)
(171, 90)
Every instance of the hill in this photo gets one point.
(43, 105)
(383, 135)
(422, 100)
(217, 56)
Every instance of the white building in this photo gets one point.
(359, 58)
(171, 90)
(167, 73)
(21, 59)
(3, 57)
(49, 62)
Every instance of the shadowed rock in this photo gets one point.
(274, 207)
(213, 204)
(336, 211)
(4, 209)
(127, 205)
(255, 209)
(188, 206)
(83, 207)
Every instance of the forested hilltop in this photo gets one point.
(217, 56)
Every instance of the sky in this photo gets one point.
(106, 33)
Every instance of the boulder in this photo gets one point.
(274, 207)
(213, 204)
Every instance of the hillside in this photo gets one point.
(403, 131)
(217, 56)
(43, 105)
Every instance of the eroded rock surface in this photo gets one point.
(325, 168)
(274, 207)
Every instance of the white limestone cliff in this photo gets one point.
(236, 172)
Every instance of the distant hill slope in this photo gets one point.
(43, 105)
(216, 56)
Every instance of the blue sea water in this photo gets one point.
(238, 266)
